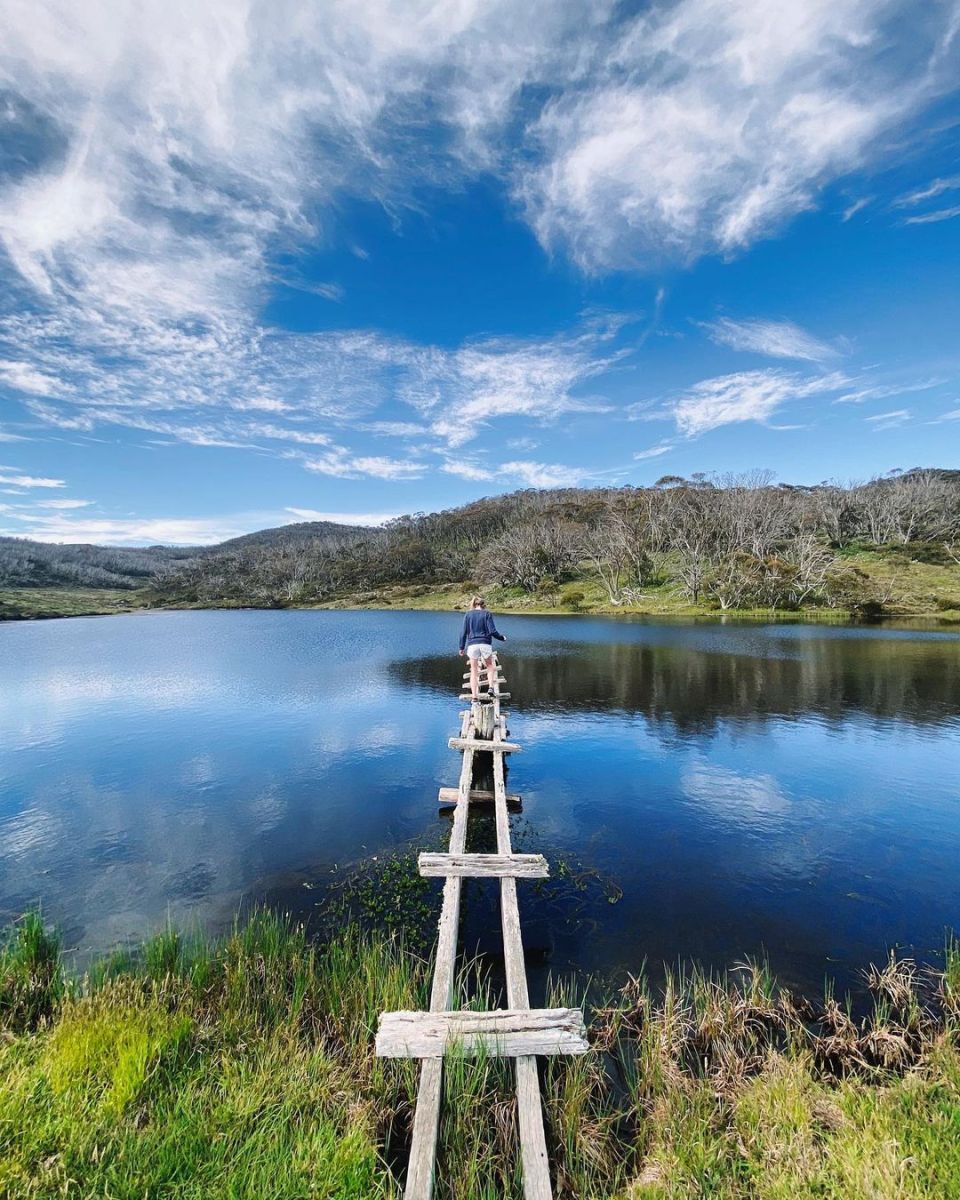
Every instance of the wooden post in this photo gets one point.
(483, 720)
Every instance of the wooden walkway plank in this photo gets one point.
(426, 1121)
(533, 1141)
(459, 743)
(448, 795)
(426, 1126)
(499, 1032)
(485, 866)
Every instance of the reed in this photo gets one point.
(244, 1068)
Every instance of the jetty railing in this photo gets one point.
(517, 1031)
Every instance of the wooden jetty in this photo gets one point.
(517, 1031)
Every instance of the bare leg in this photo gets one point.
(474, 677)
(491, 675)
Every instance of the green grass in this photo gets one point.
(34, 603)
(245, 1069)
(911, 589)
(239, 1070)
(924, 590)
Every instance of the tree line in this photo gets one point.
(26, 564)
(732, 541)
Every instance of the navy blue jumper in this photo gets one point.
(478, 628)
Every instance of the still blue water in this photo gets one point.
(737, 790)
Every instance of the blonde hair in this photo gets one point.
(477, 601)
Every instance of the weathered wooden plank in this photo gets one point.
(485, 866)
(499, 695)
(426, 1125)
(445, 961)
(533, 1142)
(485, 721)
(486, 747)
(449, 795)
(503, 1033)
(426, 1121)
(500, 809)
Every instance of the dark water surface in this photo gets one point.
(737, 789)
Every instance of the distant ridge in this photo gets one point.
(551, 530)
(292, 535)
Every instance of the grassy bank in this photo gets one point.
(28, 604)
(919, 590)
(246, 1069)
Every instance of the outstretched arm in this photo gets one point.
(463, 633)
(493, 629)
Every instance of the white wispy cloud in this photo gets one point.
(857, 206)
(711, 122)
(214, 388)
(776, 339)
(22, 377)
(176, 154)
(341, 464)
(542, 475)
(163, 181)
(863, 390)
(889, 420)
(931, 191)
(746, 396)
(64, 504)
(523, 472)
(130, 531)
(468, 470)
(935, 188)
(654, 451)
(30, 481)
(930, 218)
(464, 391)
(342, 518)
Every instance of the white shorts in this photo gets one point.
(479, 651)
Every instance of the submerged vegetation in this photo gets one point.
(246, 1069)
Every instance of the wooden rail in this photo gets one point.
(517, 1031)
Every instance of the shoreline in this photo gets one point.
(171, 1067)
(75, 607)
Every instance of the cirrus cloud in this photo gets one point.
(776, 339)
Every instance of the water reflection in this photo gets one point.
(697, 681)
(723, 790)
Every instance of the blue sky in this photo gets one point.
(265, 262)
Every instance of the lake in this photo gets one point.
(705, 791)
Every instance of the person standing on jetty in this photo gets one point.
(476, 641)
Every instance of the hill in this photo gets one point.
(299, 534)
(25, 564)
(708, 542)
(722, 542)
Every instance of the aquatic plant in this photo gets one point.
(245, 1068)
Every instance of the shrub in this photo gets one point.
(572, 597)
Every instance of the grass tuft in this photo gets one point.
(245, 1069)
(31, 974)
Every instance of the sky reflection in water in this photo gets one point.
(782, 789)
